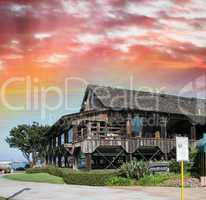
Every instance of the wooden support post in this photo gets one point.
(51, 160)
(59, 161)
(75, 161)
(66, 161)
(98, 127)
(129, 127)
(47, 159)
(75, 133)
(54, 160)
(88, 161)
(66, 137)
(82, 133)
(193, 132)
(59, 140)
(89, 130)
(163, 124)
(130, 157)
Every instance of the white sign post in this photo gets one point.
(182, 151)
(182, 147)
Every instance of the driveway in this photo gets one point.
(44, 191)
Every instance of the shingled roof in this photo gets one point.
(123, 99)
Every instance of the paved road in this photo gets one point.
(44, 191)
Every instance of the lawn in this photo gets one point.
(37, 177)
(167, 179)
(2, 198)
(156, 180)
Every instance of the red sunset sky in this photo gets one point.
(159, 43)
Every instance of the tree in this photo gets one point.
(31, 140)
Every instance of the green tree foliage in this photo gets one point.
(31, 140)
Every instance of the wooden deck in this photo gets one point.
(129, 145)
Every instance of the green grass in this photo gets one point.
(37, 177)
(2, 198)
(155, 180)
(160, 179)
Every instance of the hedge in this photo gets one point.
(91, 178)
(37, 170)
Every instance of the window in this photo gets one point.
(70, 136)
(62, 138)
(137, 125)
(57, 143)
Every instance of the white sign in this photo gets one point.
(182, 148)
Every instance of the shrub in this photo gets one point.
(55, 171)
(37, 170)
(85, 178)
(134, 169)
(120, 181)
(92, 178)
(175, 167)
(27, 166)
(20, 169)
(196, 160)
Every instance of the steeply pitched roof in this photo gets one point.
(123, 99)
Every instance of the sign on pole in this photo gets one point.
(182, 149)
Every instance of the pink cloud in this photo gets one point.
(61, 27)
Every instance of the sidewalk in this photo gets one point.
(45, 191)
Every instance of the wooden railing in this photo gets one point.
(99, 129)
(130, 145)
(100, 133)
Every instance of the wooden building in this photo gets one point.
(116, 125)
